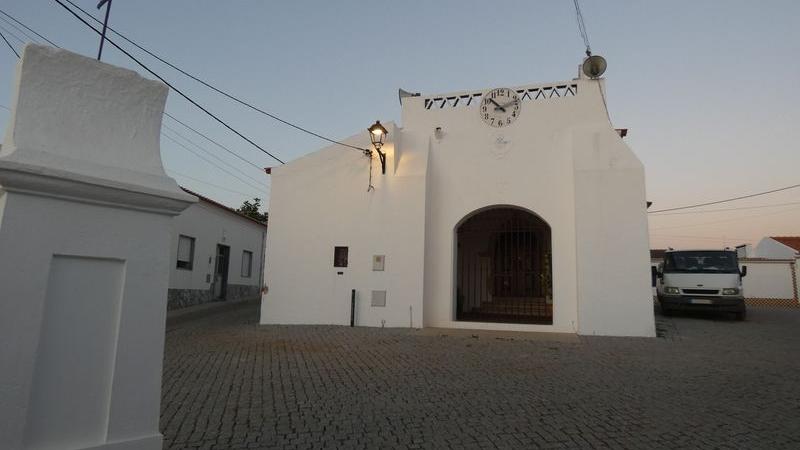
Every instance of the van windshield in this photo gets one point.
(701, 262)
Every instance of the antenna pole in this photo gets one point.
(105, 25)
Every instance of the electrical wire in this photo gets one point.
(13, 35)
(728, 209)
(209, 153)
(582, 27)
(714, 222)
(213, 141)
(174, 172)
(265, 187)
(167, 114)
(18, 29)
(210, 161)
(708, 238)
(370, 187)
(196, 145)
(181, 93)
(9, 44)
(786, 188)
(28, 28)
(220, 91)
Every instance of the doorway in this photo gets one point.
(503, 267)
(221, 272)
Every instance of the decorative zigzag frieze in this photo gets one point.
(529, 94)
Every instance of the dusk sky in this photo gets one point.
(708, 89)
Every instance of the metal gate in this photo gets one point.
(504, 268)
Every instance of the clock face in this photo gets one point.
(499, 107)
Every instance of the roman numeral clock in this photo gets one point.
(499, 107)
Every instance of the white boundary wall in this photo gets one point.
(768, 281)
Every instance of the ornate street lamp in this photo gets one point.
(377, 134)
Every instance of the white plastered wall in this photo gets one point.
(469, 170)
(772, 249)
(85, 225)
(769, 279)
(210, 225)
(321, 201)
(612, 237)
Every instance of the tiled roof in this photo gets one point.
(789, 241)
(221, 206)
(657, 253)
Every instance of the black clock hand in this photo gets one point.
(497, 105)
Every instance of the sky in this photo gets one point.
(708, 89)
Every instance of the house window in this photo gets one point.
(247, 263)
(185, 252)
(339, 256)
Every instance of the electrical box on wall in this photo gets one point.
(379, 298)
(378, 262)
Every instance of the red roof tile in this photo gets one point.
(789, 241)
(221, 206)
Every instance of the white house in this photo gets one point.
(778, 247)
(216, 255)
(509, 209)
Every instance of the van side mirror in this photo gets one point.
(743, 272)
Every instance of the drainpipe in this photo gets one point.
(263, 261)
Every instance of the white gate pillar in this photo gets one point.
(85, 230)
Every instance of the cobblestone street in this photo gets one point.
(705, 383)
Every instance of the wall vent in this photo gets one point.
(379, 298)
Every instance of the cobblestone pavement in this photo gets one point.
(706, 383)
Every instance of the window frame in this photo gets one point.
(340, 259)
(249, 264)
(189, 265)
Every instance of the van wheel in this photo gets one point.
(742, 315)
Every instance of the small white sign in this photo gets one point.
(378, 262)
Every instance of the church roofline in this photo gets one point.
(536, 91)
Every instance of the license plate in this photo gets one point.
(700, 301)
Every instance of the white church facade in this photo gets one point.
(507, 209)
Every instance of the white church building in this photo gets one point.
(506, 209)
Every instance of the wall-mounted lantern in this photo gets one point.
(377, 134)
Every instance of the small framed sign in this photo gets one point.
(378, 262)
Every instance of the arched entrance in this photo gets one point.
(503, 267)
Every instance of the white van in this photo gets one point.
(708, 280)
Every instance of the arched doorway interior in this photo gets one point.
(504, 267)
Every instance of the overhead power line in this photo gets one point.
(213, 141)
(794, 186)
(728, 220)
(211, 162)
(707, 238)
(14, 35)
(166, 113)
(28, 28)
(9, 44)
(582, 27)
(181, 93)
(209, 152)
(741, 208)
(174, 172)
(220, 91)
(17, 29)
